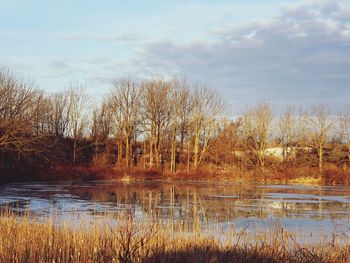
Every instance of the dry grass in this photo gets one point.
(332, 174)
(305, 180)
(26, 239)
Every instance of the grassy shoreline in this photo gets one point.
(27, 239)
(290, 175)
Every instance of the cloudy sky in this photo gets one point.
(285, 52)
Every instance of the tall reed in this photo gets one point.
(128, 239)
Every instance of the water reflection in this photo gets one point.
(218, 205)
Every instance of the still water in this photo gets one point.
(310, 210)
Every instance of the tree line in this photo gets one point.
(160, 123)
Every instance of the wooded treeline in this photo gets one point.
(167, 124)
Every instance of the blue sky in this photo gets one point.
(286, 52)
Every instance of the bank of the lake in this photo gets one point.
(299, 175)
(26, 239)
(331, 174)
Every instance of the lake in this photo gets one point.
(310, 211)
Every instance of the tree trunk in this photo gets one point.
(120, 152)
(151, 157)
(182, 137)
(261, 158)
(320, 158)
(349, 154)
(188, 156)
(205, 146)
(157, 147)
(173, 153)
(127, 152)
(74, 151)
(152, 146)
(144, 154)
(196, 151)
(94, 160)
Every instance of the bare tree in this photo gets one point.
(344, 125)
(100, 127)
(247, 141)
(207, 107)
(185, 110)
(125, 100)
(18, 102)
(156, 111)
(321, 123)
(77, 116)
(292, 127)
(174, 126)
(263, 122)
(41, 114)
(256, 132)
(59, 114)
(225, 141)
(179, 120)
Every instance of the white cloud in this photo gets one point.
(301, 56)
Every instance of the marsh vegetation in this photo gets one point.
(27, 239)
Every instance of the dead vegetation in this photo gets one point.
(26, 239)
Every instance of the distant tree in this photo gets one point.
(101, 124)
(291, 129)
(344, 125)
(125, 100)
(59, 114)
(18, 114)
(207, 107)
(77, 115)
(225, 141)
(185, 107)
(156, 113)
(174, 125)
(321, 123)
(247, 139)
(256, 132)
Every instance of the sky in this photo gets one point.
(284, 52)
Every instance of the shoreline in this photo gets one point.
(299, 176)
